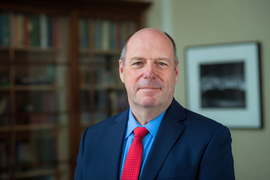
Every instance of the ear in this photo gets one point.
(121, 70)
(176, 73)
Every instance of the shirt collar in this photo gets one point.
(152, 126)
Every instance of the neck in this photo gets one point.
(143, 115)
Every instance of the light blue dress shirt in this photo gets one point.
(147, 141)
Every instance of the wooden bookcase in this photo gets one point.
(58, 76)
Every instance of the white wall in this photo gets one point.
(197, 22)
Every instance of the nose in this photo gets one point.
(149, 72)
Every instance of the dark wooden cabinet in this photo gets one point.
(58, 76)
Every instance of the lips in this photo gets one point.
(149, 88)
(148, 85)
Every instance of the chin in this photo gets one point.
(148, 102)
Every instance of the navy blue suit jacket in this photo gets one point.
(187, 146)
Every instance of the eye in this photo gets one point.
(137, 63)
(162, 64)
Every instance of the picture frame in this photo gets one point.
(223, 83)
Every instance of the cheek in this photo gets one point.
(171, 80)
(129, 81)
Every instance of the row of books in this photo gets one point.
(35, 76)
(34, 104)
(35, 101)
(88, 119)
(115, 101)
(4, 29)
(103, 76)
(118, 101)
(105, 34)
(24, 30)
(105, 70)
(41, 150)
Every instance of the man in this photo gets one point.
(178, 144)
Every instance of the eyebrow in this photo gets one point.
(142, 58)
(162, 58)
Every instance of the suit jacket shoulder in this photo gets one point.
(100, 149)
(189, 146)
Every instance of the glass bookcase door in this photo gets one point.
(102, 92)
(34, 111)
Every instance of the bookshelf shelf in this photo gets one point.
(36, 173)
(102, 87)
(36, 49)
(34, 87)
(3, 88)
(4, 48)
(5, 129)
(27, 127)
(34, 127)
(106, 52)
(58, 76)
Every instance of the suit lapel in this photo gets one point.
(116, 136)
(168, 133)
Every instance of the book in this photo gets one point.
(11, 28)
(122, 102)
(20, 31)
(123, 36)
(62, 55)
(105, 36)
(84, 75)
(54, 32)
(85, 119)
(101, 99)
(44, 31)
(118, 34)
(113, 35)
(100, 117)
(113, 101)
(83, 33)
(97, 33)
(34, 30)
(48, 30)
(26, 29)
(45, 149)
(5, 29)
(49, 107)
(23, 155)
(118, 101)
(57, 31)
(14, 19)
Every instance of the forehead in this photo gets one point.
(150, 43)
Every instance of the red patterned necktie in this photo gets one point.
(132, 165)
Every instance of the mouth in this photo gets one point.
(149, 91)
(149, 88)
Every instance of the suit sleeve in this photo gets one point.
(79, 168)
(217, 162)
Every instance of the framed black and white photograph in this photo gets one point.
(223, 83)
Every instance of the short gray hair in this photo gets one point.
(124, 50)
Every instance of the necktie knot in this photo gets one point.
(140, 132)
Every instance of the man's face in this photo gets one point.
(149, 72)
